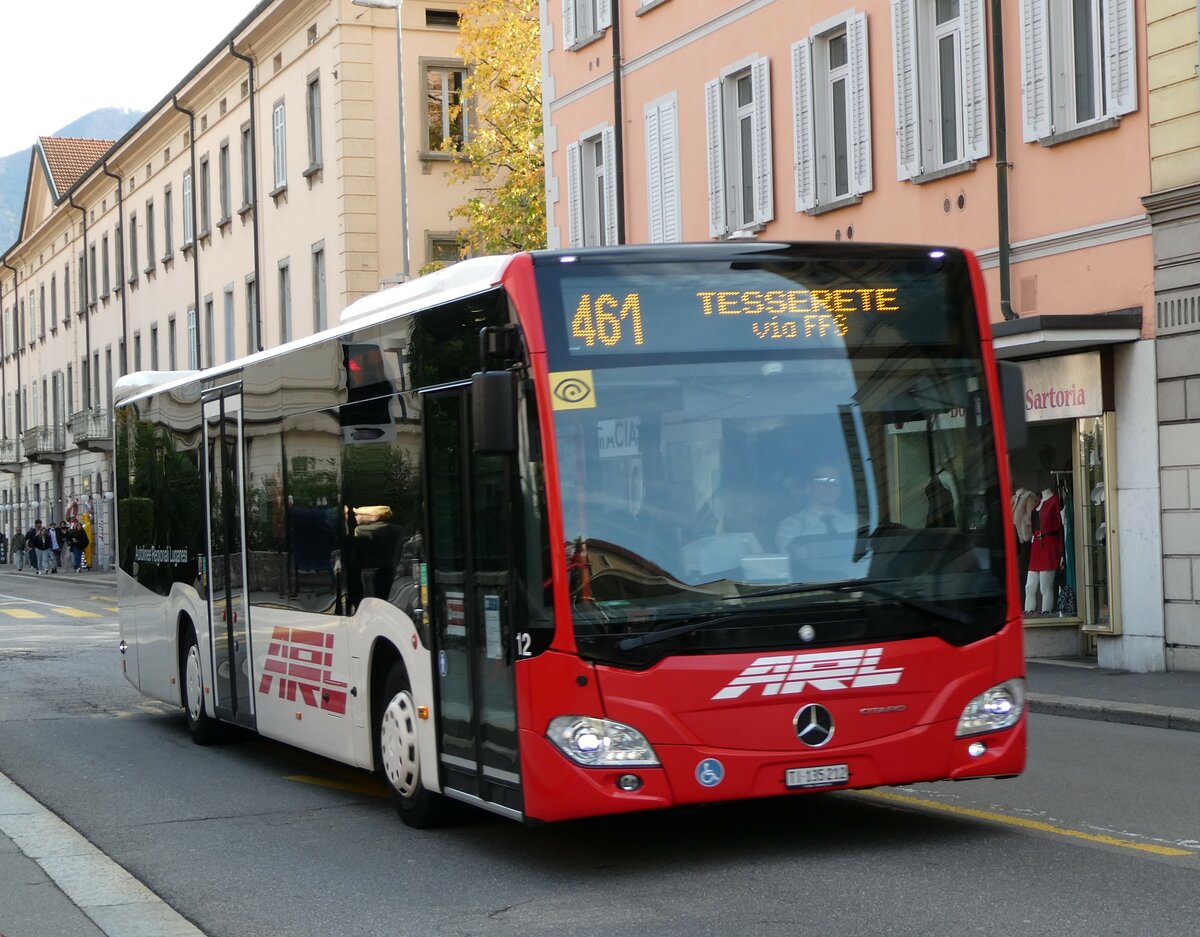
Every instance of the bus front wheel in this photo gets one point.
(204, 728)
(400, 756)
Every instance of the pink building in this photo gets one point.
(674, 120)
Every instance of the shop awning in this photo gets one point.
(1042, 336)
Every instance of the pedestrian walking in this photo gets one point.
(42, 545)
(52, 532)
(78, 539)
(30, 549)
(18, 549)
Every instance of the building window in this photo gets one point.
(662, 170)
(320, 315)
(133, 249)
(189, 227)
(193, 339)
(67, 282)
(105, 273)
(313, 108)
(253, 338)
(584, 20)
(205, 198)
(230, 328)
(223, 181)
(285, 301)
(738, 122)
(1077, 64)
(92, 290)
(591, 196)
(442, 248)
(137, 351)
(54, 301)
(208, 331)
(832, 115)
(446, 113)
(279, 145)
(41, 309)
(118, 253)
(151, 259)
(172, 343)
(247, 167)
(154, 348)
(168, 224)
(941, 85)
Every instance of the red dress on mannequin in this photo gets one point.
(1047, 550)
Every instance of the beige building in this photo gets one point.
(1174, 207)
(880, 120)
(257, 199)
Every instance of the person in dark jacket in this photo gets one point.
(77, 539)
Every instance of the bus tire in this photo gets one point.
(400, 756)
(204, 729)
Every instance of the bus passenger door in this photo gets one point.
(471, 509)
(225, 569)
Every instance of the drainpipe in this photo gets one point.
(85, 286)
(191, 116)
(17, 350)
(120, 266)
(618, 123)
(1002, 163)
(258, 283)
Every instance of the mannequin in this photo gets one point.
(1046, 555)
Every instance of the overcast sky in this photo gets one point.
(61, 59)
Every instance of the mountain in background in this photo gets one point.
(108, 123)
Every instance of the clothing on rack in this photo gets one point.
(1047, 551)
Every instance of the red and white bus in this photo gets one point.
(576, 533)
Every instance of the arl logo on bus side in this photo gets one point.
(301, 661)
(785, 674)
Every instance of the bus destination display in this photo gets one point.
(626, 314)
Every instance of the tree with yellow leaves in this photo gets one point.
(502, 158)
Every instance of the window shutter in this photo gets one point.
(568, 23)
(975, 81)
(1035, 69)
(574, 195)
(860, 106)
(1120, 77)
(603, 14)
(668, 130)
(718, 219)
(610, 185)
(802, 125)
(764, 174)
(904, 56)
(654, 174)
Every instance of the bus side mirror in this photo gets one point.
(494, 412)
(1012, 400)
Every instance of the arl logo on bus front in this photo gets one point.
(299, 661)
(784, 674)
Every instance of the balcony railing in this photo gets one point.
(45, 443)
(10, 455)
(92, 429)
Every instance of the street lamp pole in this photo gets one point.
(397, 5)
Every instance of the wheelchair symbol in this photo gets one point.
(710, 772)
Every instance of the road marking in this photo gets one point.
(21, 613)
(370, 788)
(25, 601)
(76, 612)
(1023, 822)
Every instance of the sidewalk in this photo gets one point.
(1085, 691)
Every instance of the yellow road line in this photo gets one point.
(369, 788)
(1024, 823)
(21, 613)
(76, 613)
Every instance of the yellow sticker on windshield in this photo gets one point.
(572, 390)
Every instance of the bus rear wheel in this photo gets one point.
(204, 729)
(400, 756)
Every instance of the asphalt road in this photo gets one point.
(1100, 837)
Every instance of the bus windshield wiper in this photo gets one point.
(656, 637)
(873, 586)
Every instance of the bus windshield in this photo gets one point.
(747, 448)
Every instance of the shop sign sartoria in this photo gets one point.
(1062, 388)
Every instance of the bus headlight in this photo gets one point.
(599, 743)
(996, 709)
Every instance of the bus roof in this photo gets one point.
(465, 278)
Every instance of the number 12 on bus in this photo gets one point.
(569, 534)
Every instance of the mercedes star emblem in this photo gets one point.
(814, 725)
